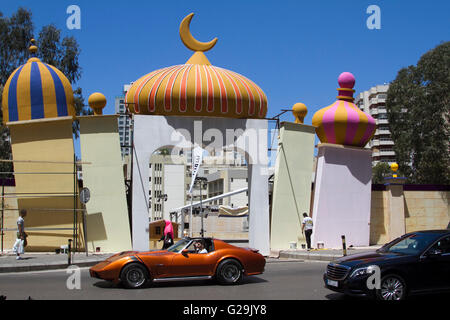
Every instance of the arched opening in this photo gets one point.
(221, 171)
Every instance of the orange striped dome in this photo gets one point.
(196, 89)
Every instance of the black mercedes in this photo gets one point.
(417, 262)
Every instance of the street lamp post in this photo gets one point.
(202, 232)
(203, 183)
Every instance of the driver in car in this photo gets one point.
(200, 247)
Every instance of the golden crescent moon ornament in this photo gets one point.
(189, 41)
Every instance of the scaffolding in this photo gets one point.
(75, 210)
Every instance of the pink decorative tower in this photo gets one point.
(344, 170)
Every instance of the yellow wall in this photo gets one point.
(108, 226)
(292, 184)
(424, 210)
(46, 148)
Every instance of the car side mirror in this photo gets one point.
(185, 252)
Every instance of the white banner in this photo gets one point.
(197, 156)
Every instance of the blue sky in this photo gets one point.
(294, 50)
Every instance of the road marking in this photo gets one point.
(38, 272)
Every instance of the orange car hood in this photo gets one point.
(120, 255)
(155, 253)
(139, 253)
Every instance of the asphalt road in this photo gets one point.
(280, 281)
(290, 280)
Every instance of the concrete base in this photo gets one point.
(342, 196)
(292, 184)
(43, 149)
(108, 226)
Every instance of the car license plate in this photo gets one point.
(332, 283)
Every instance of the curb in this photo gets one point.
(284, 260)
(312, 257)
(44, 267)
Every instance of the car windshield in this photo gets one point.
(177, 247)
(411, 244)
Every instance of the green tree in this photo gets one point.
(418, 107)
(63, 54)
(380, 171)
(16, 33)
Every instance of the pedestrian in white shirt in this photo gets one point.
(21, 237)
(307, 229)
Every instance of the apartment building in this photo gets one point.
(167, 182)
(125, 123)
(373, 102)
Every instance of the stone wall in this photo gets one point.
(426, 210)
(426, 207)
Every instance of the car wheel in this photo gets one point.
(134, 276)
(392, 287)
(229, 272)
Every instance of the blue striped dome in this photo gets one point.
(37, 90)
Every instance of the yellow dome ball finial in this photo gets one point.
(97, 101)
(299, 111)
(33, 48)
(394, 167)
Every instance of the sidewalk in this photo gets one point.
(34, 261)
(51, 261)
(320, 254)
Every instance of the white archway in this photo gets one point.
(247, 135)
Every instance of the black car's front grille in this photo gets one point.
(337, 272)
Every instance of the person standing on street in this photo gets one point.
(21, 239)
(307, 229)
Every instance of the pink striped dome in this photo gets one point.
(342, 122)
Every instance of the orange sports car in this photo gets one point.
(188, 259)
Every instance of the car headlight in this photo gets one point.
(363, 271)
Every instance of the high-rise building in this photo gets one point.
(125, 123)
(373, 102)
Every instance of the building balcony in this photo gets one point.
(374, 111)
(375, 142)
(382, 121)
(373, 101)
(386, 142)
(382, 132)
(385, 153)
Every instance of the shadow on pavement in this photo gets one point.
(421, 297)
(184, 283)
(341, 296)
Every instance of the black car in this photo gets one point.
(417, 262)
